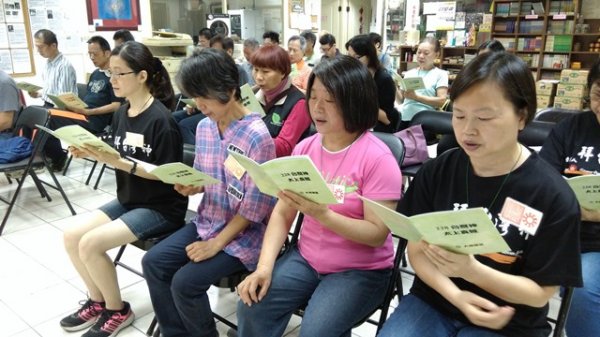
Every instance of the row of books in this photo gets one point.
(531, 27)
(529, 43)
(526, 8)
(556, 61)
(532, 60)
(558, 43)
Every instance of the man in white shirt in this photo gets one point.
(59, 75)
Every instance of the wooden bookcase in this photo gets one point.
(546, 34)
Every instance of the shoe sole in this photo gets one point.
(79, 327)
(123, 325)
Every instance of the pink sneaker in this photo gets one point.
(111, 322)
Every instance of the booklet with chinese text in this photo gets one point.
(67, 99)
(294, 173)
(177, 173)
(79, 137)
(29, 87)
(249, 100)
(587, 190)
(468, 231)
(408, 83)
(190, 102)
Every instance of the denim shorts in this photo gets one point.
(143, 222)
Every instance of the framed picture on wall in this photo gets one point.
(113, 14)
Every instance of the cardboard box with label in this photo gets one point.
(546, 87)
(571, 90)
(569, 103)
(574, 76)
(544, 101)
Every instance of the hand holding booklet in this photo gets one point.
(29, 87)
(468, 231)
(65, 100)
(587, 190)
(249, 100)
(294, 173)
(79, 137)
(177, 173)
(408, 83)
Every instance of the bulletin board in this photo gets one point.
(16, 50)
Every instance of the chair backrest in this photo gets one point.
(554, 115)
(27, 120)
(394, 143)
(535, 133)
(189, 154)
(435, 124)
(81, 90)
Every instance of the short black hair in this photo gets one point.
(206, 32)
(375, 38)
(594, 75)
(509, 72)
(228, 44)
(353, 88)
(273, 36)
(209, 73)
(100, 41)
(363, 46)
(217, 39)
(327, 39)
(309, 36)
(47, 36)
(123, 35)
(493, 45)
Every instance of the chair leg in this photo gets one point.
(87, 181)
(153, 329)
(99, 176)
(62, 192)
(13, 201)
(43, 192)
(119, 254)
(64, 172)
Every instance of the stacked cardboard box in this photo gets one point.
(571, 90)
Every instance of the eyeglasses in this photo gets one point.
(116, 76)
(325, 50)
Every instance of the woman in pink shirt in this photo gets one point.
(342, 263)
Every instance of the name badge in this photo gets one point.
(339, 192)
(234, 168)
(521, 216)
(134, 139)
(234, 192)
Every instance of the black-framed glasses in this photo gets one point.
(118, 75)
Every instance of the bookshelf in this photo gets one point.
(547, 34)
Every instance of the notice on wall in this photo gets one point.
(14, 44)
(6, 61)
(446, 12)
(21, 61)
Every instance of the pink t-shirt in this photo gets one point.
(366, 168)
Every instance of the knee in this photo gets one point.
(71, 240)
(183, 286)
(89, 247)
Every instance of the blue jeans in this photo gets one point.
(187, 124)
(335, 301)
(178, 287)
(584, 318)
(414, 317)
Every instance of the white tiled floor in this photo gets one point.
(38, 285)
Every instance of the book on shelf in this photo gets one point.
(177, 173)
(538, 8)
(62, 101)
(468, 231)
(294, 173)
(77, 136)
(587, 190)
(29, 87)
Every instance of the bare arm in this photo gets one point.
(101, 110)
(436, 102)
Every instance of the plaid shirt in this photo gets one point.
(221, 202)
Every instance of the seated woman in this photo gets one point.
(504, 293)
(362, 48)
(436, 82)
(141, 129)
(341, 266)
(572, 150)
(226, 235)
(284, 104)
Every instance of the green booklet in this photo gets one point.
(29, 87)
(249, 100)
(468, 231)
(78, 136)
(190, 102)
(177, 173)
(67, 99)
(408, 83)
(587, 190)
(294, 173)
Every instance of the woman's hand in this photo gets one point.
(202, 250)
(101, 156)
(77, 153)
(482, 312)
(448, 263)
(590, 215)
(186, 191)
(302, 204)
(410, 94)
(254, 287)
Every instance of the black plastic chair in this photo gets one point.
(26, 126)
(554, 115)
(535, 133)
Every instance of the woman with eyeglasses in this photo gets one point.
(142, 129)
(435, 93)
(362, 48)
